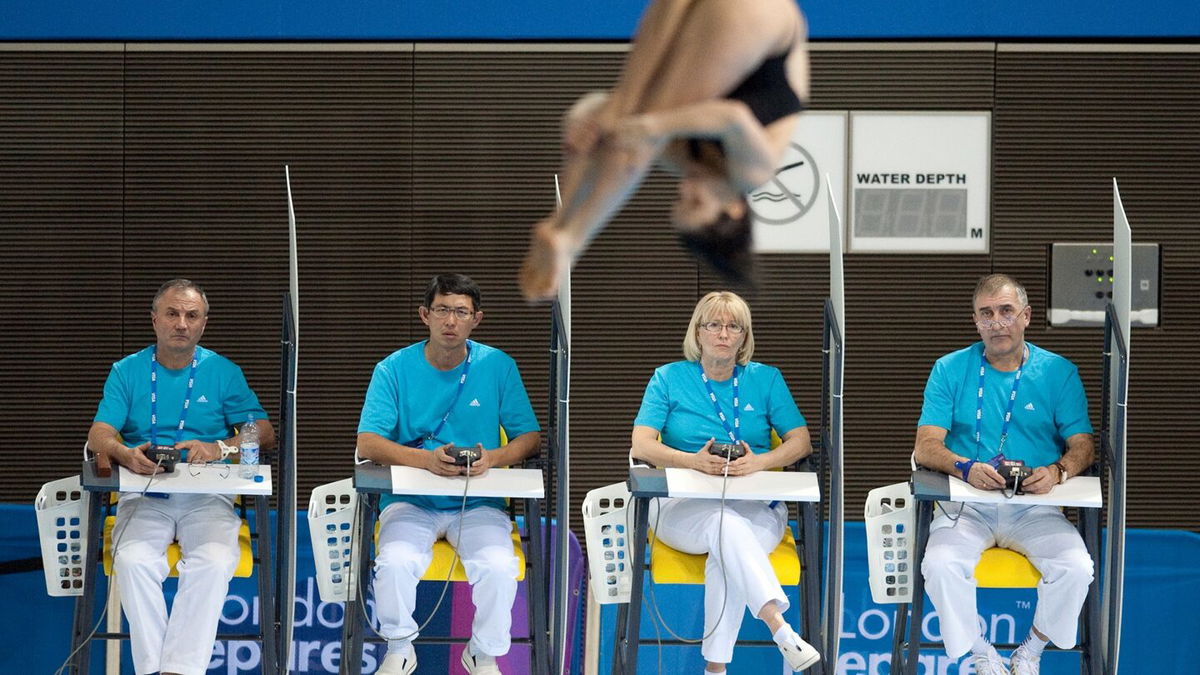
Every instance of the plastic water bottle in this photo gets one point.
(248, 448)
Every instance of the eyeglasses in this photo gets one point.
(221, 469)
(441, 312)
(715, 327)
(989, 321)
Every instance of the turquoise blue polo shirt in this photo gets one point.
(221, 398)
(1051, 405)
(676, 403)
(408, 397)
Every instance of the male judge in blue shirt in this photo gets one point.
(1005, 397)
(174, 393)
(424, 399)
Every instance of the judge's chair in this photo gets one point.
(607, 519)
(341, 513)
(897, 522)
(76, 516)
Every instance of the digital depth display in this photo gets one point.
(910, 212)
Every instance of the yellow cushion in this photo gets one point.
(245, 566)
(670, 566)
(443, 555)
(1002, 568)
(443, 552)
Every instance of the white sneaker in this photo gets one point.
(479, 664)
(797, 653)
(989, 663)
(1023, 663)
(398, 664)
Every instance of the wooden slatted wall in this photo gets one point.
(61, 255)
(121, 166)
(902, 312)
(208, 134)
(1067, 122)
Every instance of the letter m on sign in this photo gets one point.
(977, 233)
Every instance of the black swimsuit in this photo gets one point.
(766, 92)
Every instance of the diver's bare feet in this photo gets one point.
(547, 261)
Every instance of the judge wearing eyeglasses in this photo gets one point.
(423, 400)
(1004, 398)
(717, 395)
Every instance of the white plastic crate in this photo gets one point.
(890, 516)
(62, 529)
(605, 526)
(331, 512)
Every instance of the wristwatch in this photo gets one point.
(1062, 472)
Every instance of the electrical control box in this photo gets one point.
(1081, 284)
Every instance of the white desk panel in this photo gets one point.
(783, 486)
(518, 483)
(1081, 491)
(218, 479)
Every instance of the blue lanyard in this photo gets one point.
(187, 398)
(1012, 398)
(462, 381)
(736, 432)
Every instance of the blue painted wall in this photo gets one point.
(578, 20)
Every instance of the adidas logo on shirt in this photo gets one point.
(1029, 406)
(748, 408)
(474, 403)
(202, 399)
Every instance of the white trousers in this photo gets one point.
(750, 530)
(406, 536)
(206, 528)
(1041, 533)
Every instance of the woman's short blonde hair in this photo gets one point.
(713, 307)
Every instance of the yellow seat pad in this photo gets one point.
(1002, 568)
(245, 566)
(671, 566)
(443, 552)
(443, 555)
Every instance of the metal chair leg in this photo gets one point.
(535, 590)
(352, 623)
(1092, 658)
(899, 630)
(629, 616)
(85, 604)
(920, 539)
(618, 663)
(810, 583)
(266, 585)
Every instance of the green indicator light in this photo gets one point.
(1099, 280)
(1095, 251)
(1110, 280)
(1110, 258)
